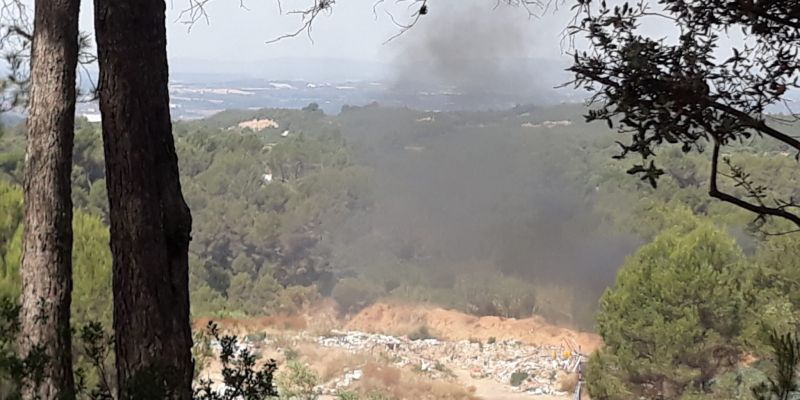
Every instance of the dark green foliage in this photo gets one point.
(675, 317)
(243, 377)
(11, 367)
(783, 383)
(97, 347)
(605, 378)
(341, 223)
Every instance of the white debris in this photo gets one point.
(498, 360)
(547, 124)
(259, 124)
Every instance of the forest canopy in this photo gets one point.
(509, 213)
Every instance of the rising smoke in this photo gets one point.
(478, 55)
(456, 192)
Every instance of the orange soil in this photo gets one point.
(400, 319)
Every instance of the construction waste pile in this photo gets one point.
(523, 368)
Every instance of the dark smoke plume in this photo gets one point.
(477, 55)
(459, 192)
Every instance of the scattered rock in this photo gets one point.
(544, 365)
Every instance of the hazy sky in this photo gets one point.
(351, 31)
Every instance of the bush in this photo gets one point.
(492, 340)
(297, 382)
(94, 346)
(422, 333)
(347, 396)
(240, 376)
(294, 298)
(518, 377)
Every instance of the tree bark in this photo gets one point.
(46, 270)
(150, 221)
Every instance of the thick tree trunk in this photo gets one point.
(150, 221)
(46, 270)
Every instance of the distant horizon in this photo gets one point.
(316, 68)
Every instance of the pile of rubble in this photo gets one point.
(536, 367)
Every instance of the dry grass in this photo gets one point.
(283, 322)
(382, 375)
(243, 326)
(330, 364)
(399, 319)
(403, 384)
(283, 341)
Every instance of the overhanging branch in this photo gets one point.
(745, 118)
(756, 124)
(726, 197)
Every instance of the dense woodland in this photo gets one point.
(363, 206)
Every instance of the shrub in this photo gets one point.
(347, 396)
(422, 333)
(294, 298)
(297, 382)
(492, 340)
(240, 375)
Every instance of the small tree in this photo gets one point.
(674, 317)
(298, 382)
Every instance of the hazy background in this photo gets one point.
(349, 44)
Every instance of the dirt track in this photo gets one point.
(488, 389)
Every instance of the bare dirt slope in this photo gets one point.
(401, 319)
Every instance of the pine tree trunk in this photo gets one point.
(150, 221)
(46, 270)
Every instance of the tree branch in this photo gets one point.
(756, 124)
(742, 116)
(755, 208)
